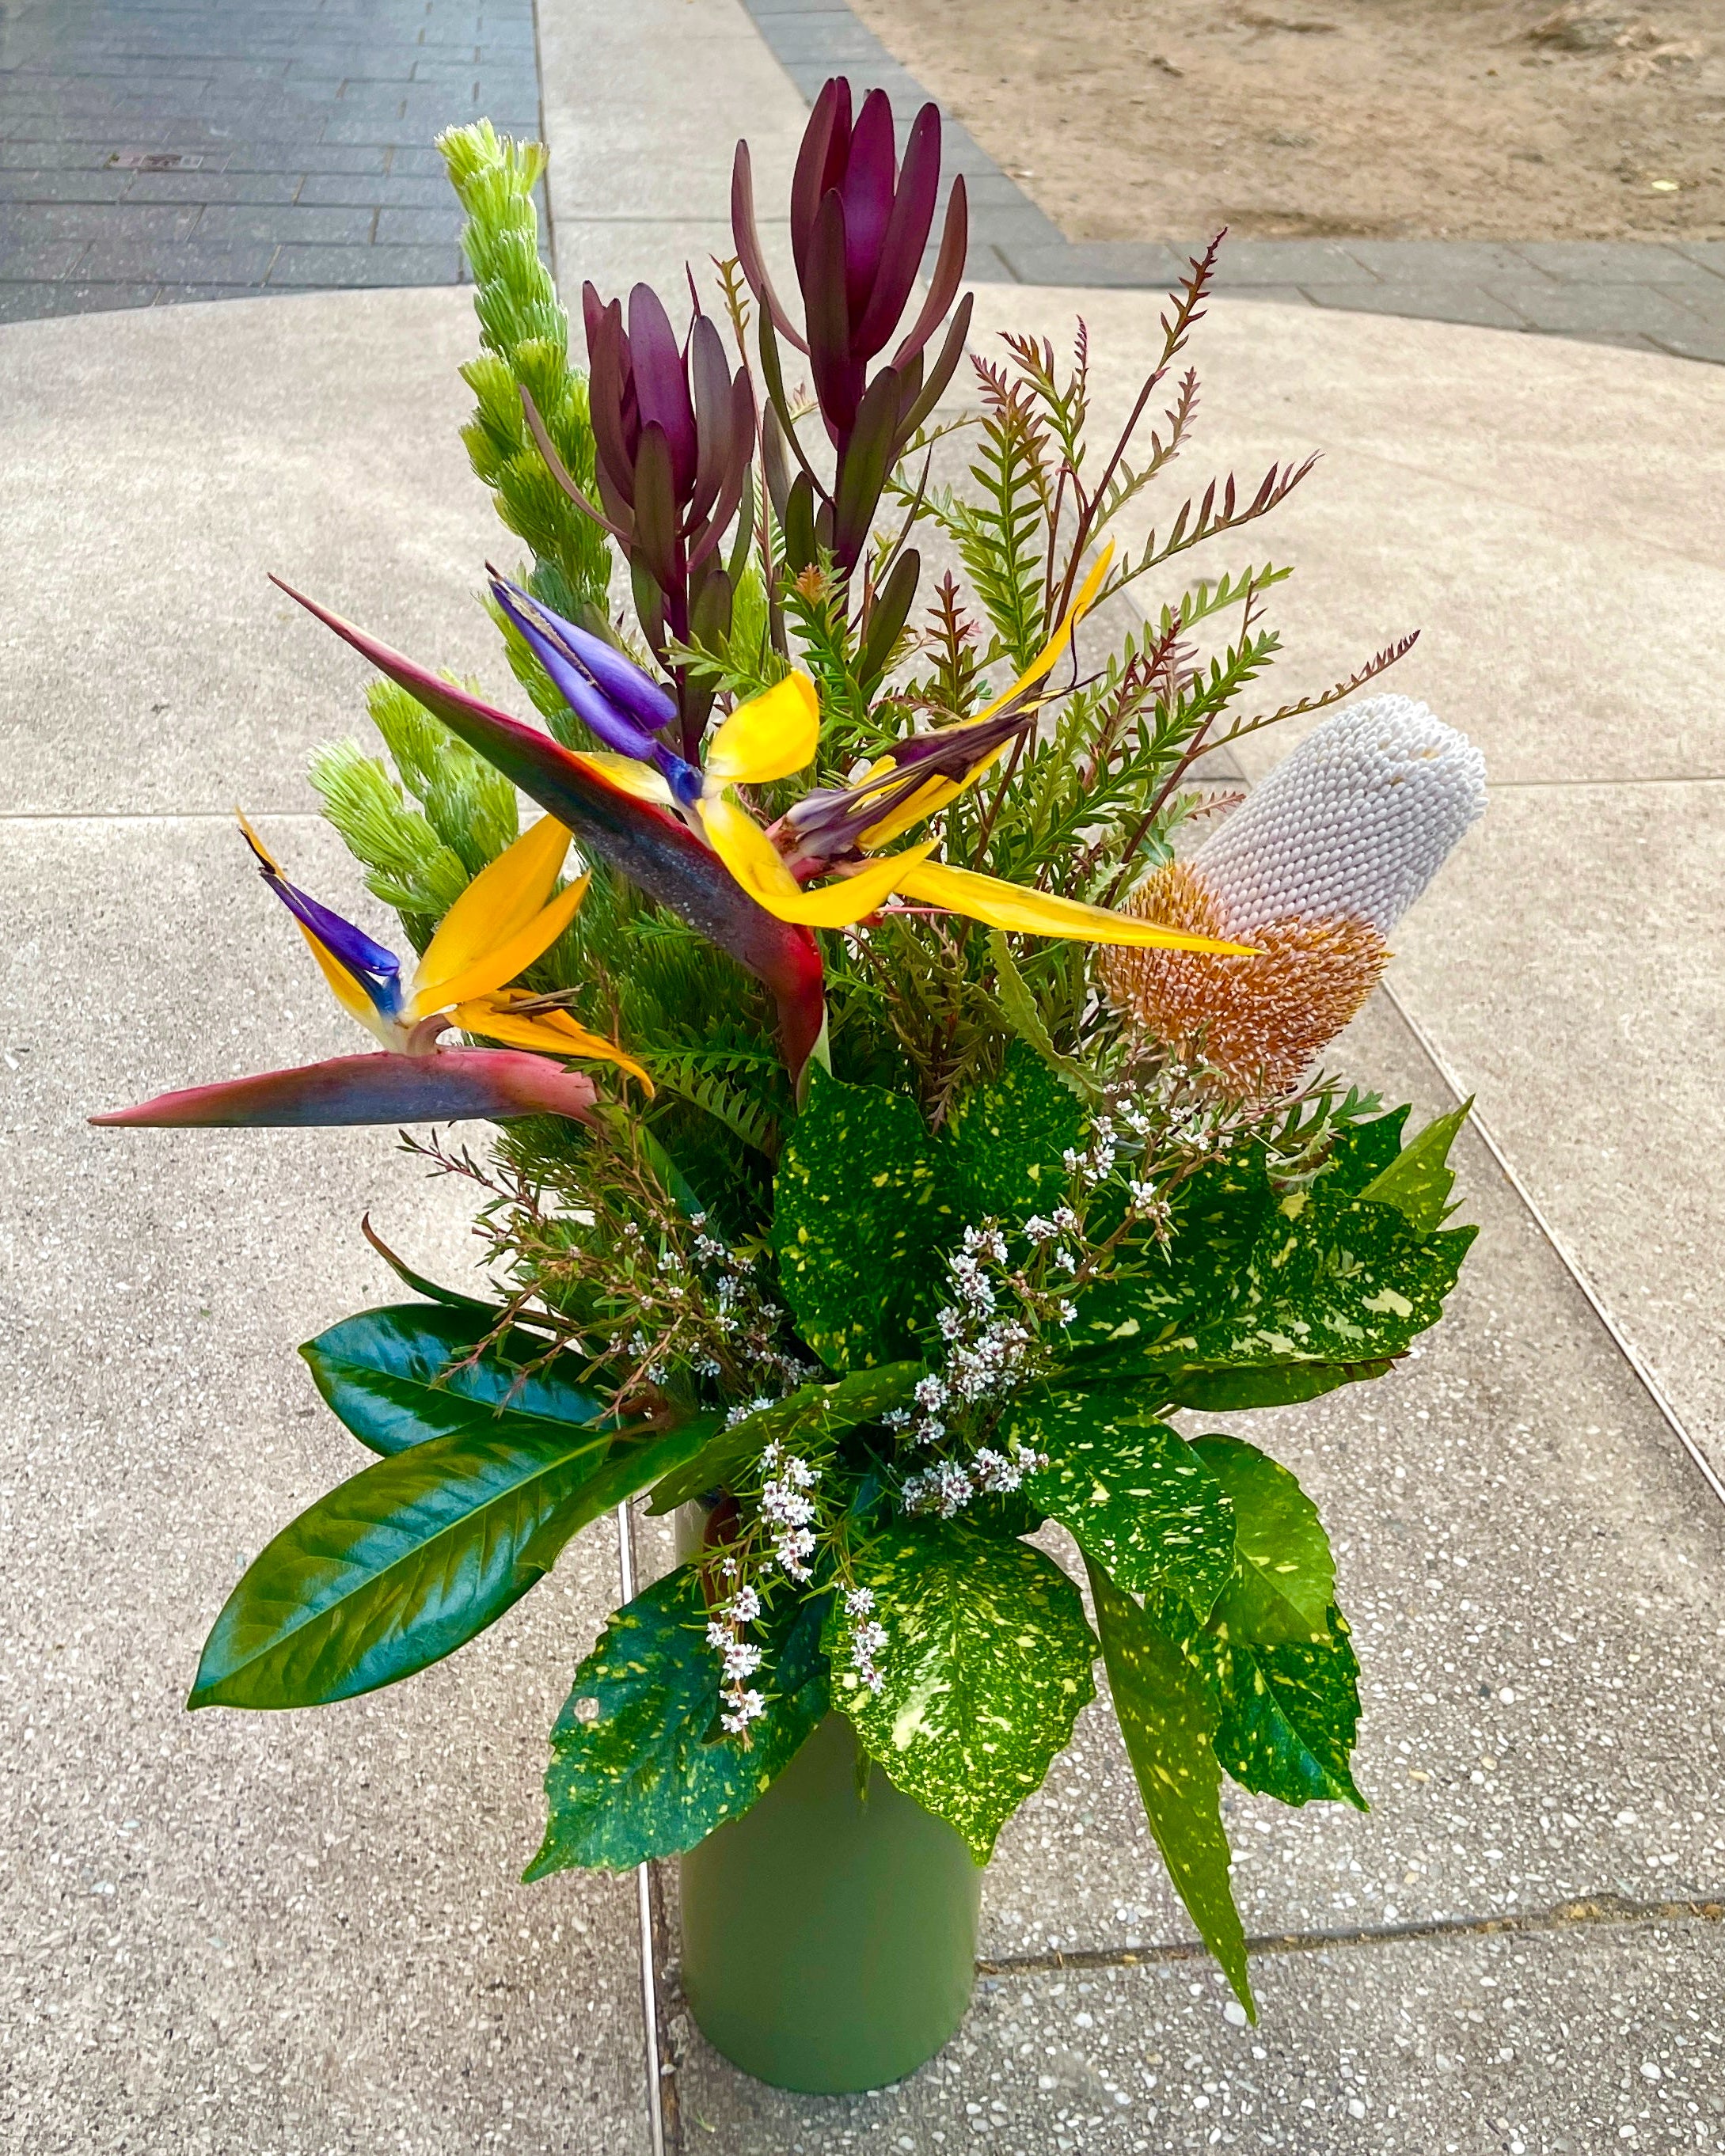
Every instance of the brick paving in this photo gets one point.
(154, 150)
(1651, 295)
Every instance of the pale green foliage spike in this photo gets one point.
(525, 331)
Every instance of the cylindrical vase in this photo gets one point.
(830, 1935)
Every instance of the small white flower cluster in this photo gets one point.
(868, 1636)
(948, 1485)
(785, 1501)
(740, 1655)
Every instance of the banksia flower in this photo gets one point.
(1315, 869)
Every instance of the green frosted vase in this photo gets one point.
(829, 1938)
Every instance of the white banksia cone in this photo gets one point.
(1314, 869)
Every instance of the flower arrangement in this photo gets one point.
(898, 1120)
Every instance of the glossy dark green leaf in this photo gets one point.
(1286, 1716)
(810, 1416)
(1006, 1139)
(1167, 1718)
(1135, 1495)
(987, 1666)
(1418, 1182)
(1284, 1580)
(636, 1772)
(861, 1211)
(399, 1376)
(403, 1563)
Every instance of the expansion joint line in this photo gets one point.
(1601, 1909)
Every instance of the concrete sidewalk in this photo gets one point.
(231, 1932)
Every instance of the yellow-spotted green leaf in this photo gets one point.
(1284, 1579)
(1167, 1718)
(1006, 1139)
(987, 1664)
(639, 1767)
(807, 1418)
(1135, 1495)
(401, 1375)
(1418, 1182)
(861, 1214)
(1286, 1716)
(1265, 1296)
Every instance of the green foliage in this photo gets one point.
(526, 335)
(1284, 1581)
(807, 1421)
(1168, 1718)
(1006, 1138)
(399, 1376)
(639, 1767)
(1263, 1296)
(988, 1668)
(859, 1206)
(1285, 1714)
(1135, 1495)
(407, 1560)
(1418, 1182)
(395, 1567)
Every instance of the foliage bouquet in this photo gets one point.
(901, 1066)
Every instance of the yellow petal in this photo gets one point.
(1040, 913)
(352, 999)
(928, 800)
(504, 961)
(628, 775)
(1046, 659)
(500, 902)
(257, 845)
(552, 1032)
(770, 737)
(753, 859)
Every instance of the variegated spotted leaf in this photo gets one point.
(1007, 1139)
(1167, 1717)
(1286, 1716)
(986, 1666)
(1285, 1577)
(1133, 1493)
(861, 1213)
(637, 1770)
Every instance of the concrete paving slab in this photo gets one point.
(640, 180)
(234, 1932)
(1591, 1026)
(1564, 2043)
(181, 456)
(1490, 490)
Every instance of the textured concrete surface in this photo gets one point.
(1648, 296)
(640, 175)
(153, 153)
(157, 470)
(1562, 2043)
(228, 1930)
